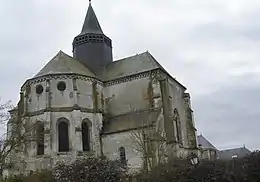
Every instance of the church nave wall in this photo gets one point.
(127, 96)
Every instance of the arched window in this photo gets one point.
(85, 129)
(40, 138)
(178, 126)
(63, 132)
(122, 155)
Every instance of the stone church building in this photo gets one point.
(89, 105)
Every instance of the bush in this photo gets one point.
(90, 170)
(86, 170)
(246, 169)
(38, 176)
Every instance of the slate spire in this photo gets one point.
(91, 24)
(92, 47)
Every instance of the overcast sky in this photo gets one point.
(212, 47)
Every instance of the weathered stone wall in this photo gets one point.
(112, 143)
(78, 92)
(84, 95)
(50, 120)
(127, 96)
(81, 100)
(190, 126)
(173, 97)
(176, 93)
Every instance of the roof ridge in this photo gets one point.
(234, 148)
(129, 57)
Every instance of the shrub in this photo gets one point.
(38, 176)
(84, 170)
(246, 169)
(90, 170)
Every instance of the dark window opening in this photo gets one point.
(40, 138)
(178, 126)
(85, 137)
(61, 86)
(63, 137)
(179, 132)
(39, 89)
(122, 155)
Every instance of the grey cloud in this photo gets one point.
(230, 115)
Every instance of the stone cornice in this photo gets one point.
(61, 109)
(171, 78)
(61, 76)
(134, 112)
(131, 77)
(106, 83)
(154, 72)
(126, 130)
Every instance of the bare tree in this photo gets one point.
(5, 147)
(14, 135)
(4, 116)
(149, 141)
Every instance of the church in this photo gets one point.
(91, 105)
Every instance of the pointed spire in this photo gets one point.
(91, 24)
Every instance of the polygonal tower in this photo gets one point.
(92, 47)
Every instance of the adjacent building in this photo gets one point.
(206, 149)
(234, 153)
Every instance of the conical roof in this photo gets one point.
(91, 24)
(64, 64)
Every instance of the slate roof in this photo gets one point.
(91, 24)
(239, 152)
(131, 65)
(64, 64)
(129, 121)
(204, 143)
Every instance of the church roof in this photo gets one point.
(238, 152)
(91, 24)
(204, 143)
(64, 64)
(131, 65)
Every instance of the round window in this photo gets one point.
(39, 89)
(61, 86)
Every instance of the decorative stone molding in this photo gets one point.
(158, 73)
(62, 109)
(132, 77)
(74, 81)
(60, 77)
(92, 38)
